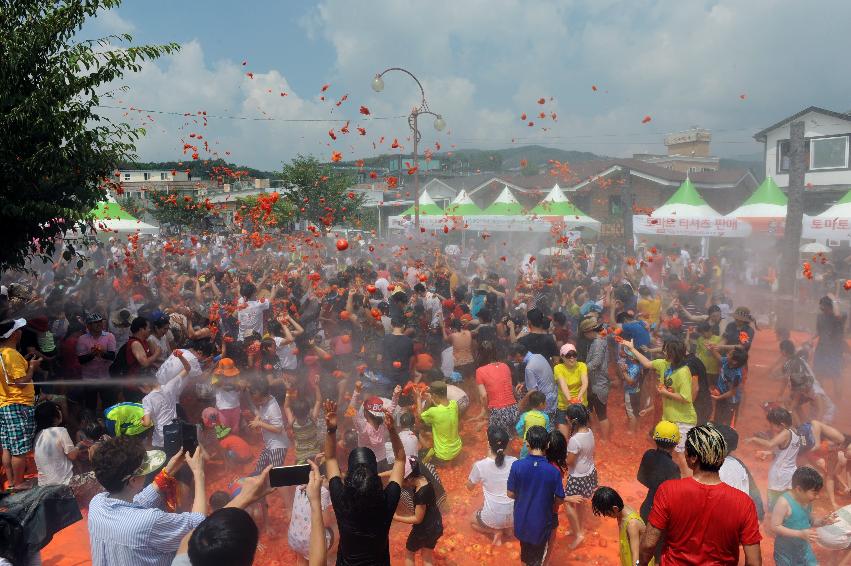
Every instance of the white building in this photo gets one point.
(141, 176)
(828, 142)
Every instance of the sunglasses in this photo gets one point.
(571, 355)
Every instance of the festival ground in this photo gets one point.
(617, 463)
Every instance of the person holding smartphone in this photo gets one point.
(364, 509)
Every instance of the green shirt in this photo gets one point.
(444, 428)
(680, 382)
(704, 355)
(573, 379)
(126, 418)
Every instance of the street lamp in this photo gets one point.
(439, 125)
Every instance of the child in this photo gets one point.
(228, 393)
(369, 423)
(303, 418)
(580, 460)
(408, 437)
(54, 451)
(608, 503)
(630, 371)
(443, 417)
(270, 421)
(657, 466)
(495, 518)
(791, 520)
(785, 445)
(427, 521)
(727, 392)
(160, 403)
(298, 535)
(828, 449)
(533, 406)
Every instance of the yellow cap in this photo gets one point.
(666, 431)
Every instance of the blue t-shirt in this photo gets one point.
(633, 371)
(637, 332)
(535, 484)
(728, 378)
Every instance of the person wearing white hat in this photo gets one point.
(17, 400)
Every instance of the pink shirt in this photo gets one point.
(368, 435)
(98, 368)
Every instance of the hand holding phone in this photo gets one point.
(289, 475)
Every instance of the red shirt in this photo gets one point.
(704, 524)
(497, 381)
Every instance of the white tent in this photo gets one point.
(832, 224)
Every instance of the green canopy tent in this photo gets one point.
(557, 204)
(110, 219)
(504, 205)
(765, 209)
(463, 205)
(427, 207)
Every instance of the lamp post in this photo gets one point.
(413, 117)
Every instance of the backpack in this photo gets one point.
(119, 366)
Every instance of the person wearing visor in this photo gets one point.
(126, 524)
(364, 509)
(17, 401)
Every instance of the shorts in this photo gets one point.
(808, 441)
(302, 546)
(504, 417)
(632, 404)
(499, 521)
(684, 428)
(17, 427)
(534, 554)
(582, 485)
(270, 457)
(597, 406)
(419, 540)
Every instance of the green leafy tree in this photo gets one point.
(252, 209)
(319, 195)
(57, 153)
(171, 209)
(132, 205)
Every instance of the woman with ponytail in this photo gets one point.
(363, 508)
(496, 515)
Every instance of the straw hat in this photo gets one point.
(226, 368)
(743, 314)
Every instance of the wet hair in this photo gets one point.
(259, 387)
(45, 416)
(577, 416)
(536, 318)
(536, 399)
(559, 317)
(138, 324)
(675, 350)
(218, 500)
(363, 491)
(779, 416)
(247, 290)
(537, 438)
(518, 349)
(300, 409)
(605, 500)
(498, 440)
(485, 316)
(93, 429)
(397, 322)
(707, 445)
(161, 322)
(419, 288)
(228, 536)
(825, 302)
(406, 420)
(807, 479)
(116, 460)
(787, 347)
(704, 327)
(739, 356)
(557, 450)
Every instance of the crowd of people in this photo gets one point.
(371, 364)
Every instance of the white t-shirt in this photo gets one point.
(172, 367)
(51, 448)
(498, 507)
(270, 413)
(381, 284)
(227, 397)
(251, 317)
(298, 535)
(582, 444)
(164, 344)
(161, 406)
(286, 354)
(447, 361)
(733, 473)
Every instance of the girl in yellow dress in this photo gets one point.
(607, 502)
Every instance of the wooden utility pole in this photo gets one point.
(626, 211)
(790, 258)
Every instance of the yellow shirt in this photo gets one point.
(650, 309)
(573, 380)
(625, 549)
(16, 367)
(710, 362)
(680, 382)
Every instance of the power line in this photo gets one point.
(247, 118)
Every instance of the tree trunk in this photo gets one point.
(626, 211)
(790, 259)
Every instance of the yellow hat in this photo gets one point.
(666, 431)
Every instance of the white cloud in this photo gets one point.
(110, 22)
(483, 63)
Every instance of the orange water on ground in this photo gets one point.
(617, 463)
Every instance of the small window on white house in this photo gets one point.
(829, 153)
(127, 176)
(147, 176)
(162, 176)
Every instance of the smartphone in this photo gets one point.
(190, 438)
(289, 475)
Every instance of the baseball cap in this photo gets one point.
(375, 406)
(666, 431)
(567, 348)
(18, 323)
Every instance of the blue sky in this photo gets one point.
(483, 64)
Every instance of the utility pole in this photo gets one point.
(626, 211)
(789, 263)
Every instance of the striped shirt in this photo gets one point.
(137, 533)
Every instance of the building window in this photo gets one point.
(783, 160)
(127, 176)
(615, 208)
(829, 153)
(146, 176)
(162, 176)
